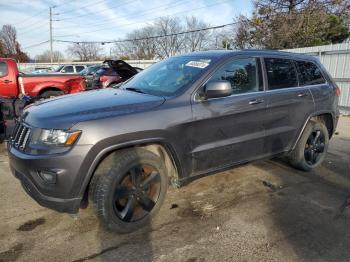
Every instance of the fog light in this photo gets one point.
(48, 177)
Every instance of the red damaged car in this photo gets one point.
(114, 72)
(13, 83)
(18, 89)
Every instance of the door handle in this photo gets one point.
(7, 81)
(302, 94)
(255, 101)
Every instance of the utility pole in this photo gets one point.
(51, 49)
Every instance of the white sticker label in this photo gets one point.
(198, 64)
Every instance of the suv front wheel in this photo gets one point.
(130, 193)
(311, 148)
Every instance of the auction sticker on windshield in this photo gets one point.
(198, 64)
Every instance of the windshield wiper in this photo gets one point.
(134, 89)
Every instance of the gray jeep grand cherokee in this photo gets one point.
(181, 118)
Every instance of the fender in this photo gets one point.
(321, 112)
(105, 151)
(51, 84)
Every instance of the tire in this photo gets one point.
(308, 155)
(118, 190)
(51, 93)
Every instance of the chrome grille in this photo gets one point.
(20, 136)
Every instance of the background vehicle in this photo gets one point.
(69, 69)
(39, 70)
(90, 70)
(89, 74)
(113, 73)
(15, 85)
(182, 118)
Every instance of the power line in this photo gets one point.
(68, 2)
(80, 7)
(107, 28)
(96, 12)
(146, 38)
(34, 28)
(27, 19)
(34, 45)
(168, 5)
(36, 24)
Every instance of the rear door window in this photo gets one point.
(309, 74)
(281, 73)
(79, 68)
(3, 69)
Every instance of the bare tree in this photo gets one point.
(9, 46)
(139, 49)
(45, 56)
(199, 40)
(171, 44)
(85, 51)
(161, 39)
(8, 38)
(2, 49)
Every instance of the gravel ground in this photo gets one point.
(263, 211)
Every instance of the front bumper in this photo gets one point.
(63, 195)
(58, 204)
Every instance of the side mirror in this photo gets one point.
(217, 88)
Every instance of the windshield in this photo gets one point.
(89, 70)
(169, 76)
(58, 68)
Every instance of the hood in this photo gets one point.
(122, 68)
(65, 111)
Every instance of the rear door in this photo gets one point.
(288, 104)
(311, 75)
(229, 130)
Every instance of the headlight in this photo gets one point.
(58, 137)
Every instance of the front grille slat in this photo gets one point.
(21, 136)
(25, 140)
(18, 133)
(14, 132)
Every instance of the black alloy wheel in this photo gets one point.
(137, 193)
(129, 189)
(311, 148)
(314, 147)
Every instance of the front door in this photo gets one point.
(230, 130)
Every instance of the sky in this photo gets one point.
(104, 20)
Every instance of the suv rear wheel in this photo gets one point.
(128, 194)
(311, 148)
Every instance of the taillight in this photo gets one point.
(337, 91)
(103, 78)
